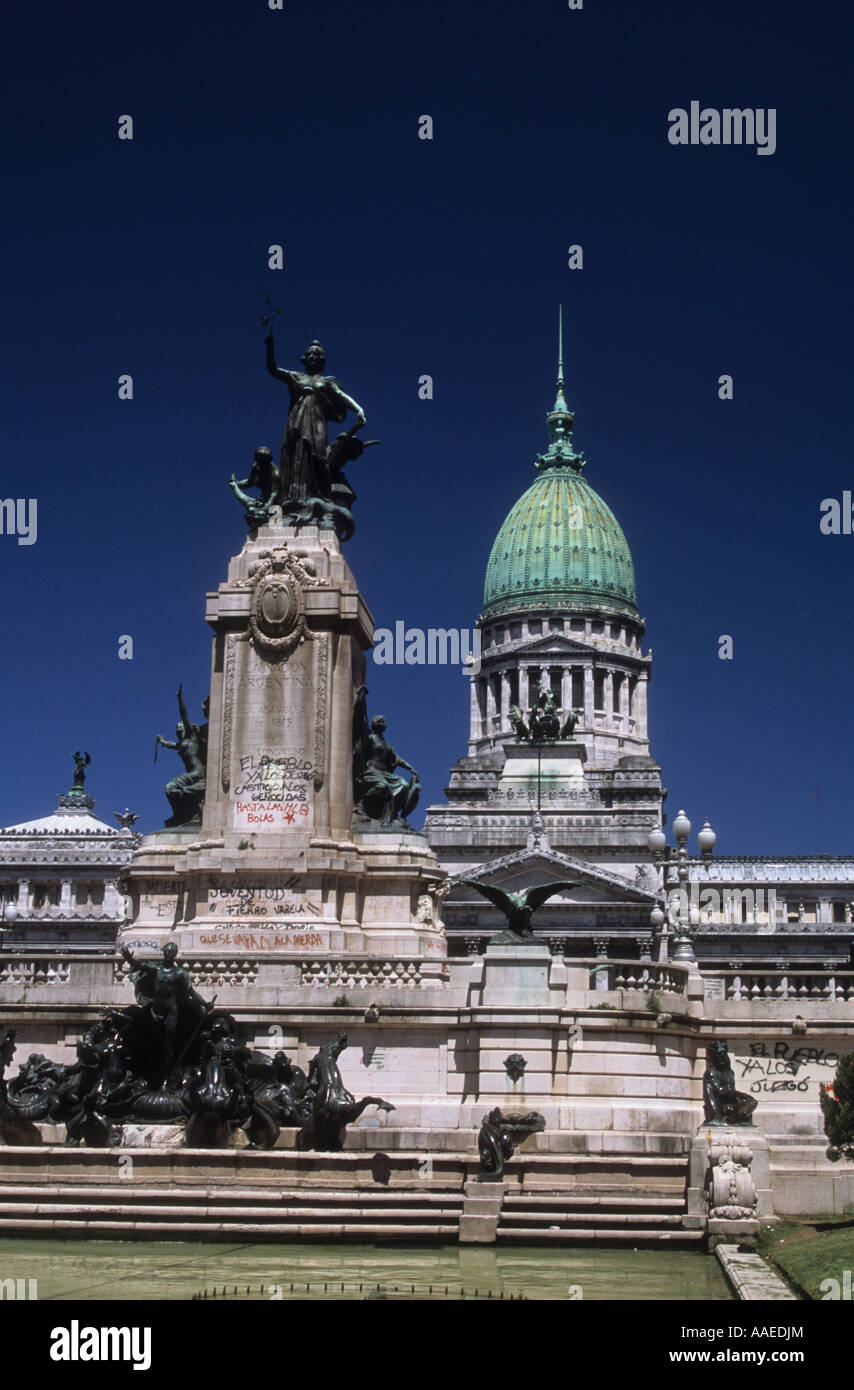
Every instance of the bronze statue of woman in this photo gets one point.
(81, 762)
(186, 793)
(304, 472)
(379, 793)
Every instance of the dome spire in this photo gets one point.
(560, 421)
(560, 400)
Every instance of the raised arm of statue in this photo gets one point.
(182, 709)
(280, 373)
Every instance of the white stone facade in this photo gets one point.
(62, 874)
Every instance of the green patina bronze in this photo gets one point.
(560, 544)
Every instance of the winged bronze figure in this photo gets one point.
(518, 908)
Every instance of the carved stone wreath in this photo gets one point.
(276, 615)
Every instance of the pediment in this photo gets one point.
(550, 644)
(525, 868)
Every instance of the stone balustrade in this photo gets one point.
(94, 971)
(801, 985)
(236, 972)
(35, 970)
(647, 976)
(97, 975)
(361, 974)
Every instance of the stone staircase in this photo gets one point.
(620, 1220)
(621, 1199)
(282, 1196)
(194, 1213)
(187, 1194)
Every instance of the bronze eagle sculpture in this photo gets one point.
(518, 908)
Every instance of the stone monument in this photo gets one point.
(262, 855)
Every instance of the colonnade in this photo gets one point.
(609, 696)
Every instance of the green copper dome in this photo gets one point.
(561, 544)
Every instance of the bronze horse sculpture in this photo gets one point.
(333, 1107)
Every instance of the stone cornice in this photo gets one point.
(569, 867)
(784, 859)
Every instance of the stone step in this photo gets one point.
(782, 1141)
(646, 1162)
(317, 1212)
(555, 1200)
(591, 1191)
(797, 1154)
(276, 1159)
(588, 1235)
(554, 1219)
(127, 1195)
(230, 1229)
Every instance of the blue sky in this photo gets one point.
(448, 257)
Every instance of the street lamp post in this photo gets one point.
(675, 908)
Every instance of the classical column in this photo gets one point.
(505, 701)
(483, 700)
(608, 699)
(23, 900)
(588, 696)
(524, 688)
(490, 705)
(640, 709)
(566, 690)
(474, 715)
(65, 896)
(617, 683)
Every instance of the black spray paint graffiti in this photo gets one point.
(780, 1066)
(275, 779)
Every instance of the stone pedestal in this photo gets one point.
(559, 769)
(729, 1182)
(516, 976)
(276, 869)
(481, 1211)
(291, 630)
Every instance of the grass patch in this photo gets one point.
(807, 1252)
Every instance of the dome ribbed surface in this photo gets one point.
(560, 544)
